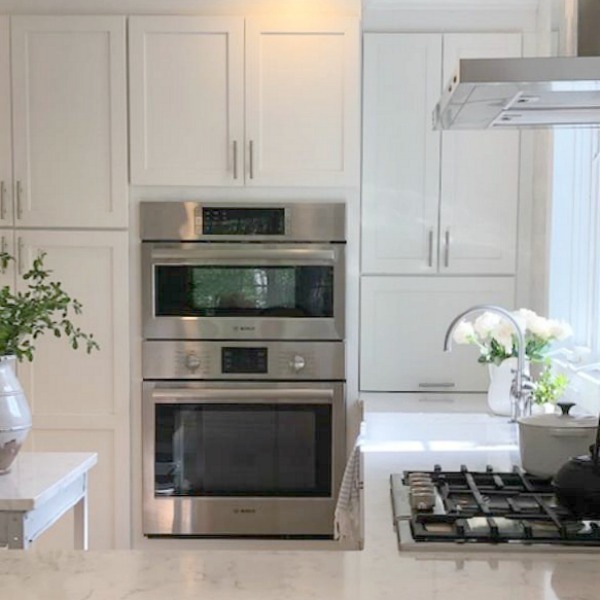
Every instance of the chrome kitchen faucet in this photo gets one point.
(522, 386)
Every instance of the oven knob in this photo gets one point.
(192, 362)
(297, 363)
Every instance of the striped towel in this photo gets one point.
(347, 516)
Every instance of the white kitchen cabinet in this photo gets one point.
(302, 101)
(280, 107)
(480, 177)
(69, 111)
(401, 153)
(5, 122)
(187, 97)
(403, 324)
(420, 214)
(79, 401)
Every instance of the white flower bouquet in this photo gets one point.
(496, 339)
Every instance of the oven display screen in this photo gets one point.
(244, 360)
(243, 221)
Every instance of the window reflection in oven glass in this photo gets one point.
(243, 450)
(209, 291)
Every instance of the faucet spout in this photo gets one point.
(518, 390)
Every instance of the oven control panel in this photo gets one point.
(243, 360)
(250, 360)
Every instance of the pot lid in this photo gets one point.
(560, 421)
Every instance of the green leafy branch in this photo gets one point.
(44, 306)
(549, 387)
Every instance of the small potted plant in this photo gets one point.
(43, 307)
(549, 387)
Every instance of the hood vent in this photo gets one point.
(505, 93)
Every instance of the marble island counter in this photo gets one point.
(394, 442)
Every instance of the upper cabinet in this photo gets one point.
(263, 101)
(401, 153)
(66, 165)
(186, 94)
(480, 177)
(5, 126)
(433, 202)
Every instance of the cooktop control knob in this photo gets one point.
(192, 362)
(297, 363)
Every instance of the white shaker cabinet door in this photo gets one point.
(403, 324)
(302, 101)
(5, 126)
(69, 121)
(7, 244)
(186, 100)
(80, 401)
(401, 84)
(480, 177)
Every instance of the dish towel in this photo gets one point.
(347, 516)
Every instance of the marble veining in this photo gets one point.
(380, 572)
(36, 476)
(268, 575)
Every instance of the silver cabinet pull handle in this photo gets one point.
(445, 384)
(443, 399)
(2, 200)
(430, 245)
(235, 171)
(447, 248)
(20, 255)
(19, 200)
(257, 396)
(3, 250)
(251, 159)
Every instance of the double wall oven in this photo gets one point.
(243, 366)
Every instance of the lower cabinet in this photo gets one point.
(415, 402)
(403, 324)
(80, 401)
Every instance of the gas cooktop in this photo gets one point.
(470, 507)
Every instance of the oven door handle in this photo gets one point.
(242, 255)
(258, 396)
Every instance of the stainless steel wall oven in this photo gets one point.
(222, 272)
(243, 366)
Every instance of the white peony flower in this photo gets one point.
(560, 330)
(486, 323)
(503, 334)
(540, 327)
(464, 333)
(527, 316)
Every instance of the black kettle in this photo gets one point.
(577, 482)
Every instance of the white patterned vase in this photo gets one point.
(501, 378)
(15, 416)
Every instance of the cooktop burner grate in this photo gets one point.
(486, 507)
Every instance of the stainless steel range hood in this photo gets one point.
(506, 93)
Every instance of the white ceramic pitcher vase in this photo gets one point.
(501, 378)
(15, 416)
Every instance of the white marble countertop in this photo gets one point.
(36, 476)
(380, 572)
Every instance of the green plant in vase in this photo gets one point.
(43, 306)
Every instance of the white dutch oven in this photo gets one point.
(546, 442)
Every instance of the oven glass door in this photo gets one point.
(243, 449)
(243, 291)
(260, 291)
